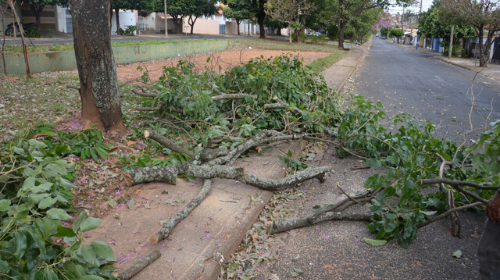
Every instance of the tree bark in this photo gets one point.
(238, 26)
(99, 93)
(168, 174)
(37, 10)
(140, 265)
(261, 14)
(118, 31)
(342, 27)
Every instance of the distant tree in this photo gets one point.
(288, 11)
(434, 25)
(239, 10)
(482, 15)
(260, 14)
(198, 8)
(37, 6)
(346, 10)
(177, 9)
(361, 26)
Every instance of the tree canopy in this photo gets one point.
(239, 10)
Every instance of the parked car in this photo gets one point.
(376, 35)
(383, 37)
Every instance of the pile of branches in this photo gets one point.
(213, 119)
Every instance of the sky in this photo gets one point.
(426, 4)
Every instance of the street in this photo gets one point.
(429, 89)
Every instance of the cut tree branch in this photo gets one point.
(168, 174)
(455, 183)
(145, 94)
(169, 226)
(140, 265)
(329, 213)
(233, 96)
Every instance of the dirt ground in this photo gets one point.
(225, 59)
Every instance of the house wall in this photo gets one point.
(202, 26)
(126, 19)
(47, 17)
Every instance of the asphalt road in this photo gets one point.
(429, 89)
(404, 81)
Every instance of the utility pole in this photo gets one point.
(166, 29)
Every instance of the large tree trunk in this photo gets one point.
(37, 10)
(483, 59)
(342, 27)
(117, 11)
(261, 14)
(238, 21)
(96, 67)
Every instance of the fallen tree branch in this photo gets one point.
(435, 218)
(73, 87)
(329, 213)
(233, 96)
(205, 155)
(145, 94)
(169, 226)
(457, 183)
(140, 265)
(147, 109)
(286, 225)
(450, 199)
(168, 174)
(167, 143)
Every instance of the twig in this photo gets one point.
(73, 87)
(450, 211)
(338, 186)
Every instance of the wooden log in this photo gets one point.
(169, 226)
(140, 265)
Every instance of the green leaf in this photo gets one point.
(428, 213)
(36, 198)
(58, 214)
(102, 249)
(47, 202)
(94, 155)
(64, 232)
(457, 254)
(4, 267)
(21, 244)
(4, 204)
(37, 144)
(78, 221)
(27, 185)
(90, 223)
(294, 274)
(91, 277)
(88, 254)
(42, 188)
(375, 242)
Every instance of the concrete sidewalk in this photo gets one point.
(492, 70)
(337, 74)
(214, 230)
